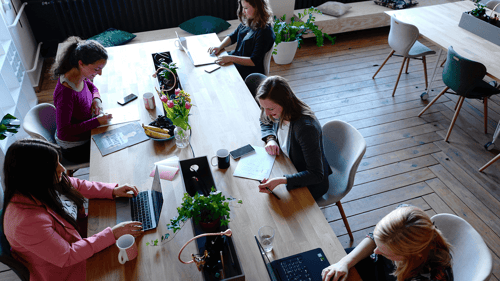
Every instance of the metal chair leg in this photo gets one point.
(459, 106)
(344, 218)
(399, 76)
(489, 163)
(388, 57)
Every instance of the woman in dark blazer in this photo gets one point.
(290, 126)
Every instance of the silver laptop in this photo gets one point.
(197, 54)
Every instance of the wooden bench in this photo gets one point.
(362, 15)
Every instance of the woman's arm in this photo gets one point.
(246, 61)
(91, 189)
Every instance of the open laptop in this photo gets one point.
(304, 266)
(145, 207)
(198, 55)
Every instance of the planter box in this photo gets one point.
(232, 267)
(481, 28)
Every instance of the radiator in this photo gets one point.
(302, 4)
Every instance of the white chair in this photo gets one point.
(493, 5)
(267, 61)
(40, 123)
(344, 147)
(403, 41)
(471, 257)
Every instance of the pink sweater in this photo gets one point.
(74, 111)
(49, 250)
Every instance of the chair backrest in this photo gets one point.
(267, 61)
(402, 36)
(7, 259)
(461, 74)
(40, 122)
(471, 258)
(253, 82)
(492, 5)
(344, 148)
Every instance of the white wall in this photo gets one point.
(282, 7)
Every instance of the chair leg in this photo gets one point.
(443, 63)
(399, 76)
(388, 57)
(433, 101)
(407, 65)
(344, 218)
(485, 101)
(489, 163)
(425, 71)
(459, 106)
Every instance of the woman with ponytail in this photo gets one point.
(43, 213)
(76, 99)
(405, 246)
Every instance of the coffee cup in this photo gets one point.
(149, 100)
(222, 159)
(128, 248)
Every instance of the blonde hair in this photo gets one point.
(409, 232)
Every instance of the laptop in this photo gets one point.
(304, 266)
(145, 207)
(198, 55)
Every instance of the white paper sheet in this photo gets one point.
(255, 166)
(122, 115)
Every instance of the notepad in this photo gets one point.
(256, 166)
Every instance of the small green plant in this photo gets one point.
(9, 124)
(202, 209)
(479, 11)
(165, 73)
(288, 32)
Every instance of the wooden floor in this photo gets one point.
(407, 160)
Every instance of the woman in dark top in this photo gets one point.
(287, 123)
(254, 37)
(405, 246)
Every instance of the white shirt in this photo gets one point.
(69, 206)
(283, 138)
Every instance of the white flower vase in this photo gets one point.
(181, 137)
(285, 52)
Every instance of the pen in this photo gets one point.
(277, 197)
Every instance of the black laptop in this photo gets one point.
(145, 207)
(306, 266)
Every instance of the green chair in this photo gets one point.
(465, 78)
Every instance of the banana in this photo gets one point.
(156, 129)
(155, 134)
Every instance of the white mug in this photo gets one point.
(128, 248)
(149, 100)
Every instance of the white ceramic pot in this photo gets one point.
(285, 52)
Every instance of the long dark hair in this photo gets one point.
(30, 170)
(276, 89)
(262, 17)
(88, 51)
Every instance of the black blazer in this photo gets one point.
(306, 153)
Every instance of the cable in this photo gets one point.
(190, 132)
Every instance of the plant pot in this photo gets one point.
(285, 52)
(210, 227)
(480, 28)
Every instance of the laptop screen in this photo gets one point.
(267, 262)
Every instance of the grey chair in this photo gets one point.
(267, 61)
(40, 123)
(253, 82)
(5, 256)
(471, 258)
(344, 147)
(465, 78)
(493, 5)
(403, 41)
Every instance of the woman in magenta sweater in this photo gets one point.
(42, 209)
(76, 99)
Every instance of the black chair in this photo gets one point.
(5, 256)
(253, 82)
(465, 78)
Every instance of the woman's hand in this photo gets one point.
(104, 119)
(222, 60)
(271, 184)
(96, 107)
(133, 228)
(272, 148)
(335, 272)
(215, 50)
(123, 191)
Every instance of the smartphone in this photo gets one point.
(127, 99)
(212, 68)
(237, 153)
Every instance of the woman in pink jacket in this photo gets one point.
(41, 211)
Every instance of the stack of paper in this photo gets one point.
(256, 166)
(167, 168)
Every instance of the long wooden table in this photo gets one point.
(224, 116)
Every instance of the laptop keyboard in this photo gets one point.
(295, 270)
(140, 210)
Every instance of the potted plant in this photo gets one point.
(9, 125)
(168, 75)
(477, 22)
(210, 211)
(177, 109)
(289, 35)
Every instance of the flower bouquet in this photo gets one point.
(177, 110)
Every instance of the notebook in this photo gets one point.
(197, 53)
(304, 266)
(145, 207)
